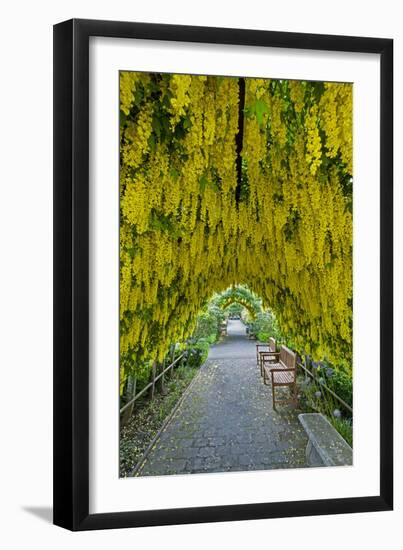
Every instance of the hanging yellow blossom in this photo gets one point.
(185, 236)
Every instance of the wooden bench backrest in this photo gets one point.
(288, 357)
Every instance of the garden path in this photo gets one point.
(226, 421)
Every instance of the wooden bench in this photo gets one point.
(282, 372)
(268, 354)
(325, 447)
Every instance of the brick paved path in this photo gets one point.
(226, 422)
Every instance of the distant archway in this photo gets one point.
(241, 295)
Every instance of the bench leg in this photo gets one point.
(273, 391)
(308, 452)
(293, 391)
(261, 362)
(312, 456)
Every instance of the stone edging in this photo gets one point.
(141, 462)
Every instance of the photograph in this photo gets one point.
(200, 264)
(236, 274)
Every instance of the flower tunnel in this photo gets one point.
(224, 183)
(240, 295)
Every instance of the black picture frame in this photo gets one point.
(71, 274)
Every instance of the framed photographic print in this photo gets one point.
(223, 320)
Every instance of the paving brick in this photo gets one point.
(226, 422)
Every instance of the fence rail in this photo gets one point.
(151, 384)
(322, 385)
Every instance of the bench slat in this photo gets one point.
(286, 377)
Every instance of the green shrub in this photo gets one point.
(196, 352)
(315, 398)
(208, 323)
(342, 384)
(264, 326)
(234, 309)
(335, 377)
(212, 339)
(345, 428)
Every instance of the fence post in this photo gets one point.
(172, 358)
(130, 393)
(306, 377)
(152, 390)
(162, 383)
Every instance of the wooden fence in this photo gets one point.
(151, 385)
(155, 378)
(322, 385)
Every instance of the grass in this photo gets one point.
(148, 418)
(314, 398)
(345, 428)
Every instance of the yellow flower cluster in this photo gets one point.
(183, 236)
(179, 86)
(313, 144)
(136, 138)
(335, 108)
(127, 88)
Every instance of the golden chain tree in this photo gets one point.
(185, 233)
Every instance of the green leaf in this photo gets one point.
(260, 109)
(152, 142)
(174, 173)
(123, 117)
(203, 181)
(156, 126)
(187, 123)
